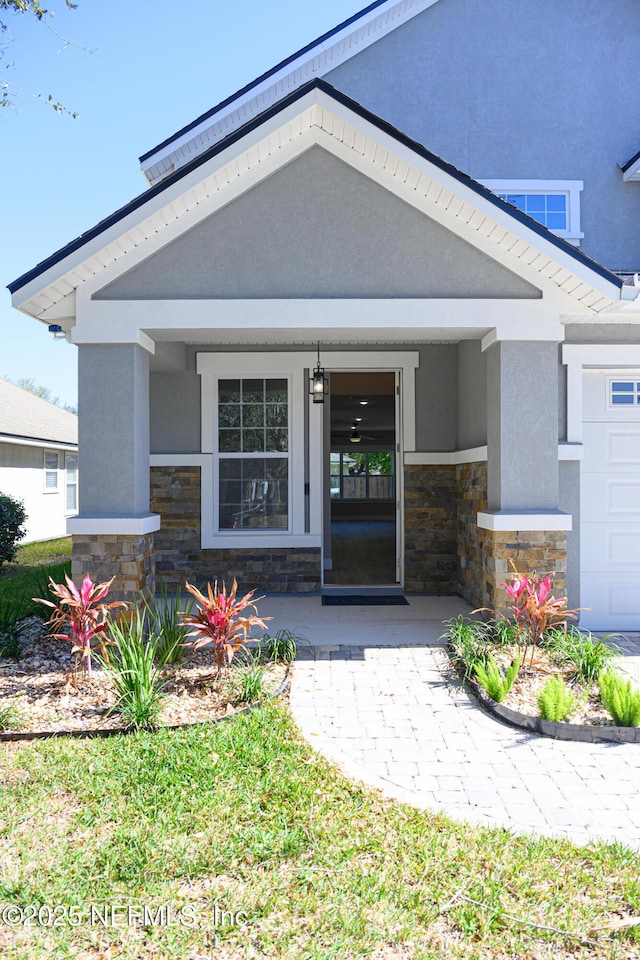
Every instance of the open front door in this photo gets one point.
(363, 463)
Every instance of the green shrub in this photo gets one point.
(281, 648)
(12, 519)
(620, 698)
(586, 654)
(555, 700)
(133, 672)
(247, 683)
(163, 612)
(10, 716)
(467, 643)
(495, 681)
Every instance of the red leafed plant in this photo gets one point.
(217, 621)
(81, 617)
(533, 609)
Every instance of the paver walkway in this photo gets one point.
(395, 717)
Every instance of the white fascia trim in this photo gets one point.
(319, 60)
(633, 173)
(577, 356)
(446, 458)
(519, 521)
(45, 444)
(570, 188)
(127, 526)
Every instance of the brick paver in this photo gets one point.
(397, 719)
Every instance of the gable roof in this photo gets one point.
(104, 243)
(24, 416)
(312, 61)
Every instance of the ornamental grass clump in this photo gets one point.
(586, 655)
(495, 681)
(620, 698)
(132, 670)
(164, 615)
(81, 617)
(468, 643)
(217, 621)
(555, 700)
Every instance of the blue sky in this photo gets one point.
(154, 67)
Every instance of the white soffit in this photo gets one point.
(317, 117)
(315, 60)
(631, 170)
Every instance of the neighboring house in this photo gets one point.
(439, 193)
(38, 460)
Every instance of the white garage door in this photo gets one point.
(610, 501)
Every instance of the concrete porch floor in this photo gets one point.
(373, 693)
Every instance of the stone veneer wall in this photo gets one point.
(131, 559)
(544, 551)
(430, 540)
(175, 495)
(471, 481)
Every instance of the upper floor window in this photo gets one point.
(553, 203)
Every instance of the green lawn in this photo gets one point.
(244, 817)
(38, 554)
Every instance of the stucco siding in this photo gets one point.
(472, 395)
(317, 228)
(22, 476)
(496, 91)
(174, 412)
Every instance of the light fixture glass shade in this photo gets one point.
(318, 383)
(355, 436)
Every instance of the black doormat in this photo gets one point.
(364, 600)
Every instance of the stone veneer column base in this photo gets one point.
(130, 559)
(430, 548)
(544, 551)
(472, 498)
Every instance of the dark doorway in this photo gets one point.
(360, 541)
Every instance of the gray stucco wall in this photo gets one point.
(317, 228)
(113, 429)
(175, 412)
(525, 90)
(472, 395)
(437, 398)
(522, 426)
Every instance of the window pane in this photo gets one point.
(556, 221)
(625, 386)
(229, 415)
(253, 391)
(229, 441)
(71, 501)
(556, 201)
(622, 398)
(536, 203)
(229, 391)
(254, 494)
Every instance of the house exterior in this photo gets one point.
(38, 460)
(441, 192)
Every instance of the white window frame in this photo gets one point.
(48, 470)
(571, 189)
(214, 367)
(67, 457)
(635, 393)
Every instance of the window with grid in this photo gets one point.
(549, 209)
(50, 472)
(624, 393)
(253, 454)
(71, 483)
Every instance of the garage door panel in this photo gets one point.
(610, 547)
(615, 602)
(611, 446)
(610, 498)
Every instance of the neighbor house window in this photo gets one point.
(553, 203)
(624, 393)
(50, 472)
(253, 454)
(362, 476)
(71, 483)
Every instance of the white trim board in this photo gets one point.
(45, 444)
(517, 521)
(577, 356)
(127, 526)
